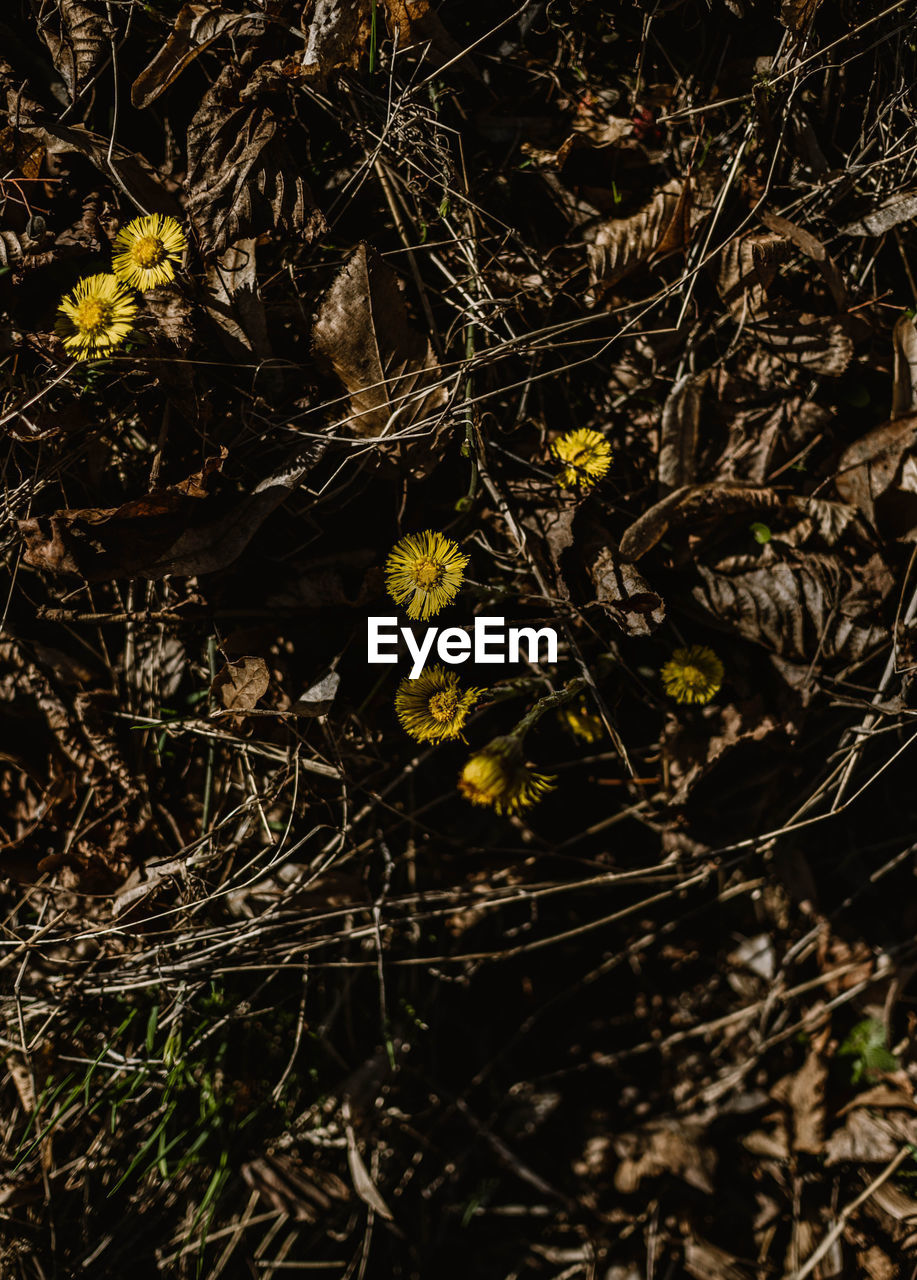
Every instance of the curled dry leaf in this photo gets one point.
(78, 38)
(625, 595)
(196, 28)
(363, 334)
(868, 468)
(242, 179)
(620, 245)
(901, 208)
(814, 249)
(679, 432)
(691, 502)
(234, 303)
(240, 685)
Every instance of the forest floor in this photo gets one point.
(277, 997)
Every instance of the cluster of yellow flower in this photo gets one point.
(423, 574)
(98, 314)
(694, 673)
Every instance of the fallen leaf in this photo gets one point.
(362, 333)
(621, 245)
(691, 502)
(748, 267)
(867, 468)
(242, 180)
(805, 608)
(240, 685)
(673, 1147)
(625, 595)
(804, 1093)
(810, 245)
(901, 208)
(904, 386)
(79, 38)
(818, 344)
(196, 28)
(679, 432)
(319, 697)
(173, 531)
(234, 303)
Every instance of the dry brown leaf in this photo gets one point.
(673, 1147)
(691, 502)
(79, 38)
(241, 684)
(867, 468)
(234, 303)
(174, 531)
(813, 248)
(748, 268)
(363, 334)
(901, 208)
(798, 14)
(196, 28)
(904, 387)
(818, 344)
(620, 245)
(338, 34)
(625, 595)
(806, 608)
(679, 432)
(242, 179)
(865, 1138)
(804, 1093)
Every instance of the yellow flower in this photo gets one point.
(145, 250)
(693, 674)
(424, 571)
(434, 707)
(497, 777)
(95, 317)
(586, 456)
(582, 722)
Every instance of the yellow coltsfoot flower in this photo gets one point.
(434, 707)
(586, 456)
(497, 777)
(693, 674)
(424, 572)
(582, 722)
(96, 316)
(145, 249)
